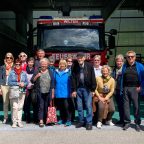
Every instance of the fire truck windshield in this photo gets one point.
(70, 39)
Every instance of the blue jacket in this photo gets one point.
(140, 71)
(12, 79)
(62, 84)
(3, 75)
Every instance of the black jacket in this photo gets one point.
(89, 77)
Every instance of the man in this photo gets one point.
(39, 54)
(131, 85)
(83, 87)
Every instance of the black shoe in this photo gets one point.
(119, 122)
(89, 127)
(79, 125)
(137, 127)
(126, 126)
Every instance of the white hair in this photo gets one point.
(44, 60)
(120, 56)
(107, 67)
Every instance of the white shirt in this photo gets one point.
(98, 71)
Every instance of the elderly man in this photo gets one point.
(131, 85)
(83, 86)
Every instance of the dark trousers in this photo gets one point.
(119, 101)
(30, 99)
(131, 95)
(44, 102)
(63, 105)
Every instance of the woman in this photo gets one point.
(104, 91)
(62, 93)
(43, 84)
(4, 74)
(29, 92)
(117, 75)
(17, 78)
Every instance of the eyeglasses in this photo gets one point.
(9, 58)
(69, 61)
(22, 55)
(130, 56)
(96, 60)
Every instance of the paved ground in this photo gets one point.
(32, 134)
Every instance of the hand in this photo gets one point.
(37, 76)
(102, 99)
(21, 84)
(138, 89)
(0, 92)
(74, 94)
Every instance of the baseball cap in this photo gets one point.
(80, 54)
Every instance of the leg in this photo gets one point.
(20, 108)
(14, 111)
(80, 105)
(5, 91)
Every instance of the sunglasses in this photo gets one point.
(130, 56)
(9, 58)
(22, 55)
(17, 64)
(96, 60)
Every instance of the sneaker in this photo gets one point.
(59, 122)
(137, 127)
(68, 123)
(109, 123)
(14, 125)
(5, 121)
(99, 125)
(20, 125)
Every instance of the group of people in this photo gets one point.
(74, 85)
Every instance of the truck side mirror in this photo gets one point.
(111, 42)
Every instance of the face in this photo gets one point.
(30, 63)
(17, 65)
(105, 72)
(9, 59)
(62, 66)
(81, 60)
(69, 62)
(97, 62)
(23, 57)
(51, 63)
(44, 65)
(119, 62)
(40, 54)
(131, 58)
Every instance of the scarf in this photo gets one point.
(8, 68)
(18, 73)
(106, 79)
(29, 71)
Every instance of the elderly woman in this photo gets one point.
(104, 91)
(17, 81)
(62, 93)
(117, 75)
(44, 84)
(4, 74)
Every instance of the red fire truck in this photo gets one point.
(64, 37)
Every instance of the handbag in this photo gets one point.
(51, 114)
(14, 92)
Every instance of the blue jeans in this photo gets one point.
(84, 98)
